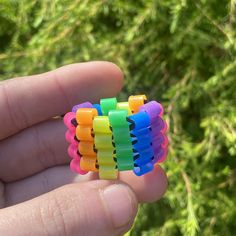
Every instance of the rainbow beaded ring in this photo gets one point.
(116, 136)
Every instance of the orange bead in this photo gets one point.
(88, 163)
(87, 149)
(84, 116)
(84, 133)
(135, 102)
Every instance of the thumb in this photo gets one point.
(90, 208)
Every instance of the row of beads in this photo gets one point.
(128, 136)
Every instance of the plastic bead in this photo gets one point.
(135, 102)
(123, 147)
(84, 133)
(163, 156)
(142, 142)
(124, 106)
(141, 120)
(67, 120)
(70, 137)
(75, 166)
(104, 147)
(73, 151)
(144, 156)
(88, 163)
(103, 141)
(141, 170)
(158, 129)
(87, 148)
(82, 105)
(98, 108)
(85, 116)
(153, 109)
(101, 125)
(108, 104)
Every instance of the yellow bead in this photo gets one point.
(103, 141)
(124, 106)
(101, 125)
(107, 173)
(105, 157)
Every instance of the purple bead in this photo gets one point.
(82, 105)
(153, 108)
(158, 125)
(159, 153)
(158, 140)
(163, 157)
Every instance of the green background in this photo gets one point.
(181, 53)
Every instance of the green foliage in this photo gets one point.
(182, 53)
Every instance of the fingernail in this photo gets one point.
(121, 204)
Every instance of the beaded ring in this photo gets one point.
(116, 136)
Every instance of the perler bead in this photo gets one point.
(84, 133)
(116, 136)
(122, 139)
(142, 143)
(105, 148)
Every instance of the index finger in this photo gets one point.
(29, 100)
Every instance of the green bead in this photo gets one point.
(121, 135)
(124, 155)
(125, 166)
(108, 104)
(125, 161)
(117, 118)
(122, 139)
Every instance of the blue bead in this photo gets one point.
(141, 170)
(141, 142)
(140, 132)
(144, 156)
(141, 120)
(98, 107)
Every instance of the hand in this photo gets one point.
(39, 195)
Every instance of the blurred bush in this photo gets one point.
(177, 51)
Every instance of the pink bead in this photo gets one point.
(73, 151)
(67, 120)
(165, 128)
(166, 142)
(70, 137)
(75, 166)
(163, 157)
(162, 111)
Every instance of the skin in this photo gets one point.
(39, 195)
